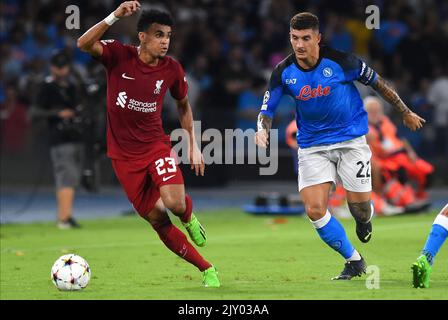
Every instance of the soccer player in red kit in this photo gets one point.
(137, 81)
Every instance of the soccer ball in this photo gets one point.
(70, 273)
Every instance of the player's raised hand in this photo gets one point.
(261, 138)
(413, 121)
(127, 8)
(197, 160)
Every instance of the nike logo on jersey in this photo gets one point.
(168, 178)
(126, 77)
(307, 93)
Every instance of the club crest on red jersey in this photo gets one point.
(307, 93)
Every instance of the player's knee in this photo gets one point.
(175, 204)
(361, 211)
(315, 211)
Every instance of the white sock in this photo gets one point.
(355, 256)
(322, 222)
(442, 221)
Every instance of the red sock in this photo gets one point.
(176, 241)
(188, 209)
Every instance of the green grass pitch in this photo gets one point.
(257, 258)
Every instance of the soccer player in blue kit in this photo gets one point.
(332, 125)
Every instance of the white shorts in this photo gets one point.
(346, 162)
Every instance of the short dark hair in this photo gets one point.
(305, 20)
(153, 16)
(60, 59)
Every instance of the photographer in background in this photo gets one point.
(59, 102)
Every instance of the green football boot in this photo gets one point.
(210, 278)
(421, 270)
(196, 231)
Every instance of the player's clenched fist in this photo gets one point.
(261, 138)
(413, 121)
(127, 8)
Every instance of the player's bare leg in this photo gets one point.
(176, 241)
(361, 209)
(181, 205)
(315, 199)
(330, 230)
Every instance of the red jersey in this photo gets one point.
(135, 93)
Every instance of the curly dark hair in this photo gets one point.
(153, 16)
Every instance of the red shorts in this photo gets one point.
(142, 178)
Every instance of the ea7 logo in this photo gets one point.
(158, 86)
(291, 81)
(121, 99)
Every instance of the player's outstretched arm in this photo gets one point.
(186, 121)
(264, 124)
(89, 41)
(410, 119)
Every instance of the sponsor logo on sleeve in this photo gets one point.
(266, 97)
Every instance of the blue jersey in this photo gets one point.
(329, 108)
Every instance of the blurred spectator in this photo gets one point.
(394, 157)
(249, 102)
(337, 36)
(438, 96)
(58, 102)
(37, 44)
(14, 121)
(31, 80)
(360, 34)
(391, 30)
(389, 35)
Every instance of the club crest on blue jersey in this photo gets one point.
(327, 72)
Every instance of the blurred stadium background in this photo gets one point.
(228, 49)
